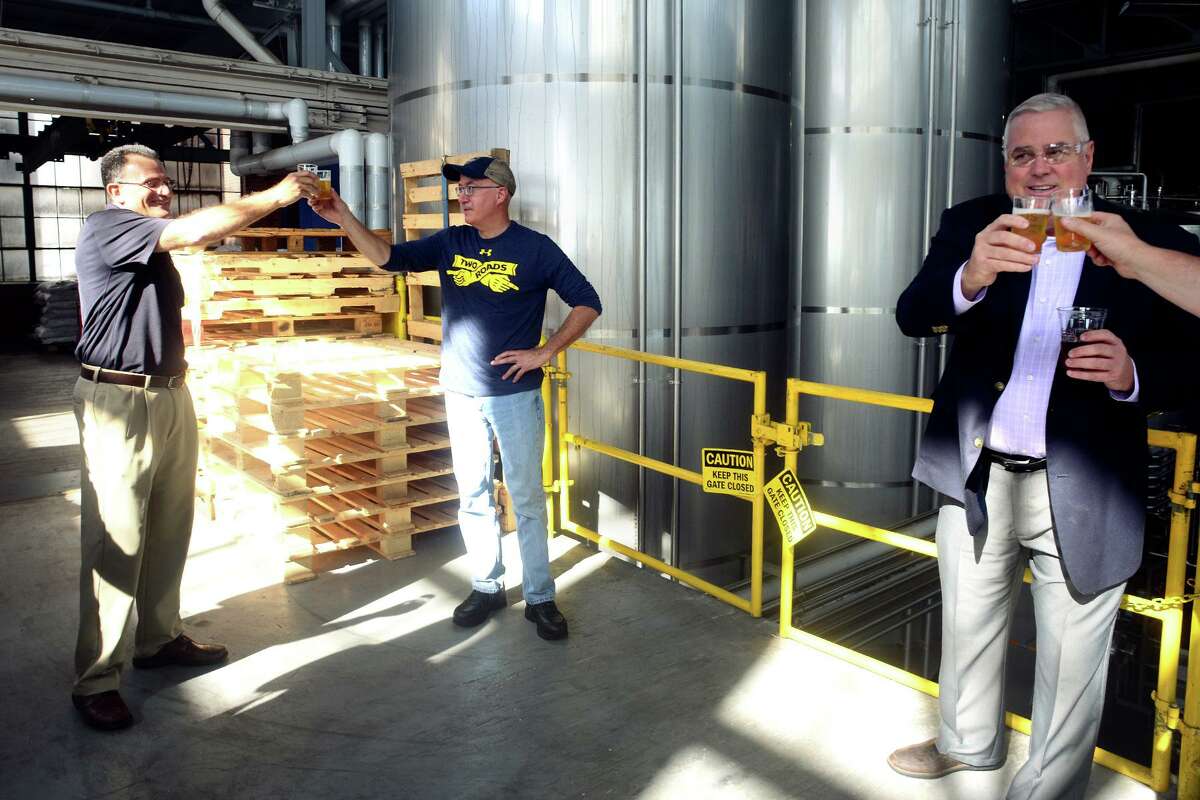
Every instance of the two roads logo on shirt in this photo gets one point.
(495, 275)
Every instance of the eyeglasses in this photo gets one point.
(1055, 153)
(153, 184)
(467, 191)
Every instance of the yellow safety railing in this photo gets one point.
(559, 375)
(1168, 610)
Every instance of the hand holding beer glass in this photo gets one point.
(1075, 320)
(1072, 203)
(324, 179)
(1035, 211)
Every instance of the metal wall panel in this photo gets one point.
(873, 169)
(556, 82)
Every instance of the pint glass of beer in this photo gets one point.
(1072, 203)
(324, 178)
(1074, 321)
(1035, 211)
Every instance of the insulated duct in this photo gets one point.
(26, 90)
(234, 27)
(378, 184)
(380, 32)
(333, 27)
(364, 48)
(261, 142)
(345, 146)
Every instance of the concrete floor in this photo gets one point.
(356, 685)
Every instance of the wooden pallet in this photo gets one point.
(231, 263)
(373, 466)
(268, 307)
(292, 239)
(242, 328)
(430, 203)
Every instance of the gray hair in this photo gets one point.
(1048, 101)
(112, 162)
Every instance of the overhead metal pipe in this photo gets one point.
(261, 142)
(378, 182)
(380, 46)
(346, 147)
(364, 48)
(146, 13)
(333, 30)
(234, 27)
(26, 89)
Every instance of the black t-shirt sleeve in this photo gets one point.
(128, 239)
(566, 279)
(421, 255)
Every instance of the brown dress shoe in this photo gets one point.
(183, 652)
(924, 761)
(105, 711)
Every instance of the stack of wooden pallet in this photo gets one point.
(328, 445)
(242, 296)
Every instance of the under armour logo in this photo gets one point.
(485, 251)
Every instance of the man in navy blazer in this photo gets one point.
(1043, 466)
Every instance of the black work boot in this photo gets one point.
(478, 605)
(550, 623)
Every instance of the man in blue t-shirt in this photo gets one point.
(137, 427)
(494, 275)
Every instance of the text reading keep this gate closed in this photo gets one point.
(727, 471)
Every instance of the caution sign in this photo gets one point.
(792, 511)
(727, 471)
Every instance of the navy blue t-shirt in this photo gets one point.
(130, 295)
(493, 299)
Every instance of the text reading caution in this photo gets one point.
(792, 511)
(728, 471)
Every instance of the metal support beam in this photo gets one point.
(312, 34)
(147, 13)
(335, 101)
(27, 204)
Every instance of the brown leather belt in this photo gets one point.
(131, 378)
(1011, 463)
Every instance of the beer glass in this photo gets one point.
(324, 179)
(1072, 203)
(1035, 211)
(1074, 320)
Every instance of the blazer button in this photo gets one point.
(978, 441)
(999, 386)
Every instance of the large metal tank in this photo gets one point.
(558, 82)
(888, 144)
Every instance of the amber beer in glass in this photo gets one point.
(324, 179)
(1072, 203)
(1035, 211)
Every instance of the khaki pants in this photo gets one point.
(138, 494)
(980, 577)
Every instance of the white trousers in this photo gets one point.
(980, 578)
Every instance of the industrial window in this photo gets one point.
(65, 192)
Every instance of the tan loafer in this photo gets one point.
(924, 761)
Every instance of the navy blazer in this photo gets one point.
(1096, 451)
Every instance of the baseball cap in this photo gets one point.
(482, 167)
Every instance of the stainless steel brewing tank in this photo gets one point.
(557, 83)
(869, 183)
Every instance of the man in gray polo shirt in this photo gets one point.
(137, 427)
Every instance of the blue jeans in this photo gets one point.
(517, 421)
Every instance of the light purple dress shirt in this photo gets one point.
(1018, 424)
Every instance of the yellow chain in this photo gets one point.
(1162, 603)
